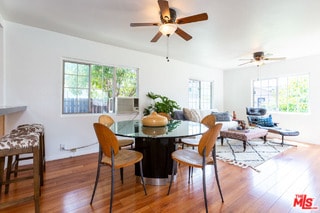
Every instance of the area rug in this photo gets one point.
(256, 152)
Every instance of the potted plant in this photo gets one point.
(161, 104)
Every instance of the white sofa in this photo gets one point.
(196, 115)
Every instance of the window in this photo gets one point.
(285, 94)
(200, 94)
(92, 88)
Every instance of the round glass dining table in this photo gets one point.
(156, 144)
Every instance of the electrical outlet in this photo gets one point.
(62, 147)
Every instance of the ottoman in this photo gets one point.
(282, 132)
(244, 135)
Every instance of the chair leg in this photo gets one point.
(98, 175)
(216, 172)
(172, 174)
(217, 179)
(121, 175)
(42, 159)
(41, 168)
(43, 152)
(9, 169)
(2, 159)
(204, 187)
(95, 184)
(142, 179)
(189, 174)
(16, 165)
(36, 178)
(121, 172)
(112, 182)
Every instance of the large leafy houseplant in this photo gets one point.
(161, 104)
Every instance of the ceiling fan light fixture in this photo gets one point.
(259, 63)
(168, 29)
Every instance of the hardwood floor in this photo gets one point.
(69, 183)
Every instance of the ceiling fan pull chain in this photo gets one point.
(260, 82)
(167, 49)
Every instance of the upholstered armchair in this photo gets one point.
(256, 111)
(256, 117)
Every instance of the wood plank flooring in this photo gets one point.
(69, 183)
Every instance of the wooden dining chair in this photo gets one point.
(108, 121)
(209, 121)
(114, 157)
(200, 158)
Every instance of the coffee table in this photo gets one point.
(244, 135)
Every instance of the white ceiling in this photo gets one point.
(235, 29)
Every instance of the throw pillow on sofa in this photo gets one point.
(222, 116)
(191, 115)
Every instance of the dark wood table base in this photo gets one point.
(157, 162)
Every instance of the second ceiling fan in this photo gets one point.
(169, 22)
(259, 58)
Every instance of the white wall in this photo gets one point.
(237, 94)
(2, 83)
(33, 68)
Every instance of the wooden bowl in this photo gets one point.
(154, 120)
(154, 131)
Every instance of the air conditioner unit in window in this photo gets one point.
(125, 105)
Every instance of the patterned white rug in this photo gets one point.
(256, 152)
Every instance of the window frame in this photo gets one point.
(200, 103)
(90, 90)
(277, 90)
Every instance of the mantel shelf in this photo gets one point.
(4, 110)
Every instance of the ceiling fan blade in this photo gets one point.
(156, 37)
(251, 60)
(245, 59)
(143, 24)
(194, 18)
(164, 9)
(183, 34)
(281, 58)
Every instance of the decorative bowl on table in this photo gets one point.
(154, 131)
(154, 120)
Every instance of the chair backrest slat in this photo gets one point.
(107, 139)
(106, 120)
(209, 120)
(209, 139)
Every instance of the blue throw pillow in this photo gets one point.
(265, 121)
(222, 116)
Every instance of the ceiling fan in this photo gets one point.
(169, 22)
(259, 58)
